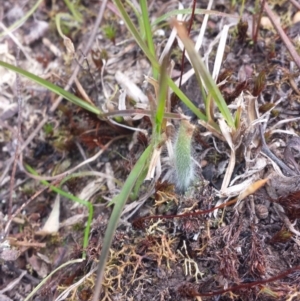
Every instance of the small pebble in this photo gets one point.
(262, 211)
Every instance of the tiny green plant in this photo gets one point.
(110, 32)
(48, 128)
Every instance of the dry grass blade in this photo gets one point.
(12, 285)
(227, 135)
(220, 52)
(252, 189)
(52, 223)
(132, 90)
(202, 73)
(154, 164)
(203, 27)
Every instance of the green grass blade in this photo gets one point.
(161, 104)
(58, 18)
(119, 202)
(148, 31)
(57, 90)
(154, 62)
(139, 18)
(134, 32)
(185, 100)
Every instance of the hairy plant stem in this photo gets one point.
(183, 163)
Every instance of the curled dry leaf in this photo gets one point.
(279, 185)
(52, 223)
(38, 265)
(131, 89)
(110, 182)
(252, 188)
(293, 144)
(69, 47)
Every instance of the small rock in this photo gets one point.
(262, 211)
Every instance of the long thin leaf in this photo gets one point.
(185, 100)
(139, 18)
(57, 90)
(119, 202)
(202, 73)
(148, 31)
(161, 105)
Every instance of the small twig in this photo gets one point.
(282, 34)
(27, 244)
(295, 3)
(245, 285)
(73, 169)
(16, 41)
(265, 149)
(17, 151)
(21, 208)
(28, 140)
(149, 113)
(88, 70)
(139, 223)
(13, 283)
